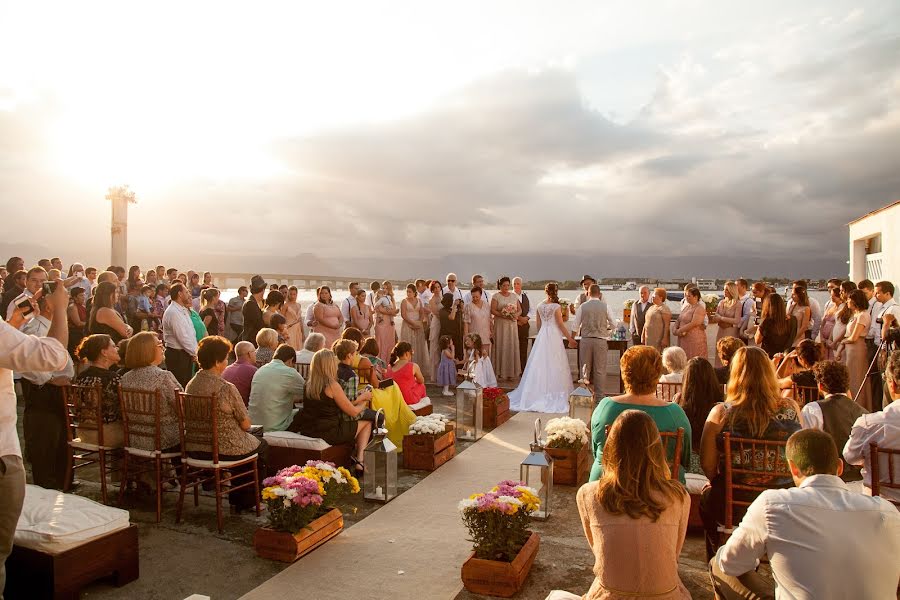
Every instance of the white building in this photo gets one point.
(875, 245)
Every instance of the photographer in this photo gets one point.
(886, 327)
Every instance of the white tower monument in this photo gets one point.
(120, 197)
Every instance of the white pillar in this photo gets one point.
(120, 197)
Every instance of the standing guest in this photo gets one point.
(233, 423)
(240, 373)
(103, 315)
(293, 313)
(815, 309)
(45, 264)
(35, 278)
(656, 330)
(274, 302)
(171, 276)
(635, 517)
(689, 327)
(451, 323)
(134, 283)
(700, 392)
(523, 322)
(874, 307)
(150, 278)
(592, 323)
(252, 311)
(412, 328)
(102, 356)
(727, 315)
(477, 318)
(266, 344)
(843, 317)
(820, 537)
(314, 343)
(776, 328)
(385, 332)
(3, 274)
(12, 288)
(77, 315)
(373, 291)
(836, 413)
(674, 360)
(209, 298)
(179, 334)
(886, 316)
(361, 313)
(13, 265)
(195, 285)
(725, 349)
(90, 274)
(586, 282)
(234, 318)
(748, 307)
(446, 371)
(801, 311)
(207, 279)
(477, 282)
(639, 314)
(56, 263)
(276, 387)
(159, 305)
(406, 374)
(329, 320)
(853, 348)
(434, 329)
(505, 350)
(829, 319)
(76, 278)
(221, 312)
(348, 302)
(160, 274)
(452, 288)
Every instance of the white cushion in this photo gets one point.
(426, 401)
(54, 522)
(695, 483)
(289, 439)
(222, 464)
(150, 453)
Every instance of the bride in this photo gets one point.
(547, 382)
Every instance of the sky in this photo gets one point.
(402, 136)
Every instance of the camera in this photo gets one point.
(23, 303)
(893, 336)
(49, 287)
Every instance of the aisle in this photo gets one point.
(419, 533)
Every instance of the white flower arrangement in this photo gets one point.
(565, 432)
(432, 424)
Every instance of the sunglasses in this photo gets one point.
(451, 281)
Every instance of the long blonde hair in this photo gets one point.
(636, 477)
(322, 373)
(753, 391)
(732, 289)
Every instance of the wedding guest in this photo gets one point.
(328, 318)
(446, 371)
(171, 275)
(776, 328)
(523, 322)
(412, 329)
(452, 289)
(505, 309)
(252, 311)
(635, 517)
(727, 315)
(13, 286)
(194, 285)
(158, 306)
(293, 313)
(886, 314)
(179, 334)
(266, 344)
(407, 374)
(795, 367)
(725, 349)
(240, 373)
(641, 368)
(373, 291)
(639, 314)
(423, 291)
(586, 282)
(77, 315)
(700, 392)
(103, 316)
(674, 359)
(369, 350)
(361, 313)
(348, 302)
(820, 537)
(656, 330)
(276, 386)
(209, 297)
(477, 318)
(134, 283)
(385, 331)
(852, 349)
(689, 327)
(753, 408)
(434, 329)
(314, 343)
(829, 319)
(592, 324)
(801, 311)
(150, 278)
(478, 363)
(274, 302)
(234, 319)
(477, 282)
(747, 300)
(279, 324)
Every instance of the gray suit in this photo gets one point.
(593, 323)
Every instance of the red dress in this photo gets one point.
(412, 390)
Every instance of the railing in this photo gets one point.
(874, 268)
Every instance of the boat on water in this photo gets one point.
(630, 286)
(707, 284)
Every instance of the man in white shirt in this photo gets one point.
(451, 287)
(423, 291)
(881, 427)
(889, 315)
(477, 281)
(748, 308)
(638, 310)
(179, 334)
(370, 297)
(823, 540)
(234, 316)
(348, 303)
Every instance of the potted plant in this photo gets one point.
(626, 312)
(431, 442)
(567, 443)
(300, 503)
(503, 547)
(495, 408)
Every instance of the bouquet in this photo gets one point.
(564, 305)
(566, 433)
(509, 311)
(498, 520)
(493, 394)
(628, 304)
(433, 424)
(296, 496)
(711, 301)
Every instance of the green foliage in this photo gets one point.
(497, 536)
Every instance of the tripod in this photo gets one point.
(885, 343)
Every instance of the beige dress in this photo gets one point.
(434, 332)
(479, 321)
(800, 313)
(656, 325)
(292, 313)
(330, 322)
(416, 337)
(856, 358)
(505, 351)
(634, 558)
(728, 320)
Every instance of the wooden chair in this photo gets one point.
(303, 369)
(666, 436)
(748, 457)
(876, 455)
(84, 412)
(200, 420)
(667, 391)
(804, 395)
(141, 418)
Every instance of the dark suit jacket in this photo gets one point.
(253, 320)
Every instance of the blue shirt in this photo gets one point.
(273, 391)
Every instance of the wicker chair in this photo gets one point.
(84, 412)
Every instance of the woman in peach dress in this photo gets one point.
(412, 330)
(690, 329)
(328, 317)
(293, 313)
(477, 319)
(385, 332)
(506, 333)
(361, 313)
(434, 333)
(728, 315)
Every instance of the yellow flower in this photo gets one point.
(268, 494)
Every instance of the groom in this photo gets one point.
(592, 320)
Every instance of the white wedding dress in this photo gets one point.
(547, 381)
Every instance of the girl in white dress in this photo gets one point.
(478, 362)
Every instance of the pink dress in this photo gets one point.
(361, 318)
(694, 343)
(385, 332)
(479, 321)
(330, 322)
(405, 378)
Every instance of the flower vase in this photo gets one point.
(288, 547)
(497, 577)
(427, 452)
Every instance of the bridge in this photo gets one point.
(335, 282)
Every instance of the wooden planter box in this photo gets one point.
(428, 452)
(288, 547)
(498, 578)
(570, 467)
(495, 412)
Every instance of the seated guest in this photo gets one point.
(235, 440)
(836, 413)
(753, 408)
(700, 392)
(102, 356)
(725, 349)
(314, 343)
(274, 389)
(674, 360)
(266, 342)
(360, 364)
(641, 367)
(279, 324)
(795, 368)
(635, 517)
(241, 371)
(823, 541)
(326, 409)
(881, 427)
(407, 374)
(369, 350)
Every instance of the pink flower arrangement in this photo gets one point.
(498, 520)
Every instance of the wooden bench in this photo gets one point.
(281, 457)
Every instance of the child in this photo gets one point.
(279, 324)
(145, 306)
(446, 374)
(478, 364)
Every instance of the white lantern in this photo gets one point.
(469, 405)
(380, 459)
(581, 405)
(536, 471)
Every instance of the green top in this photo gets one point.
(199, 327)
(667, 418)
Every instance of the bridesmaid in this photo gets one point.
(690, 326)
(385, 332)
(829, 321)
(728, 315)
(434, 331)
(328, 317)
(293, 313)
(801, 311)
(853, 348)
(506, 333)
(477, 319)
(361, 313)
(412, 329)
(657, 322)
(274, 302)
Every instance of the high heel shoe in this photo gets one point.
(359, 468)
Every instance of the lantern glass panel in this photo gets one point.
(469, 404)
(539, 477)
(380, 482)
(581, 407)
